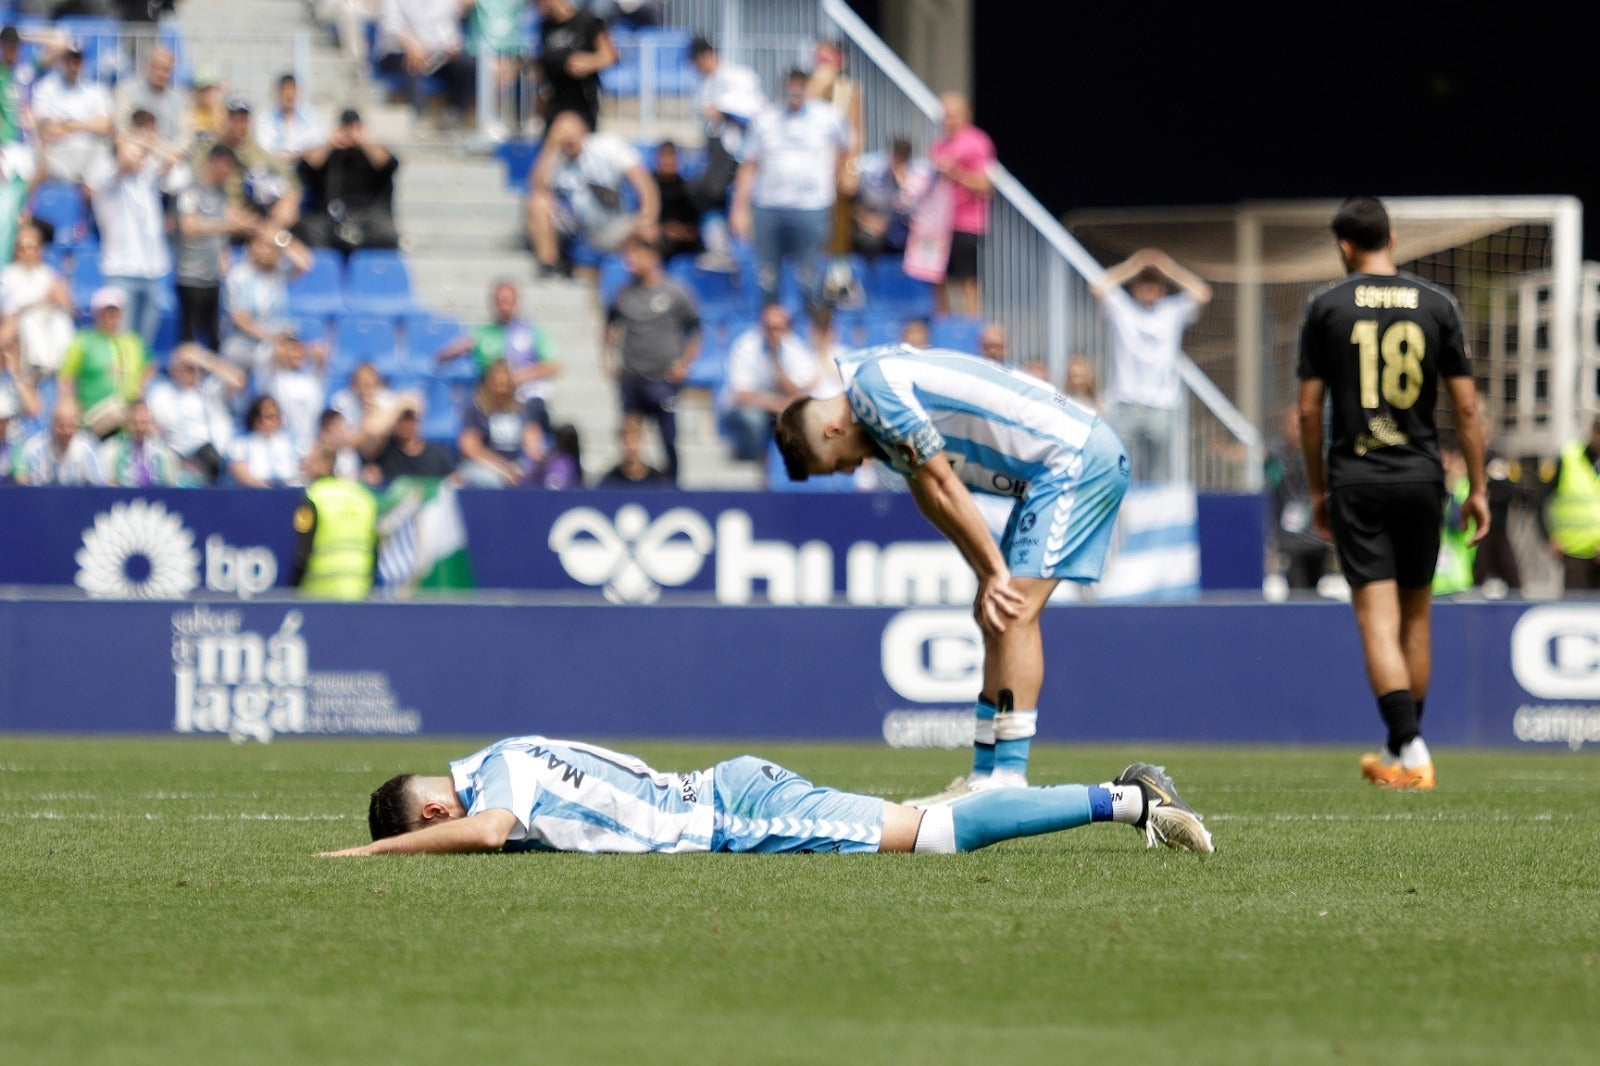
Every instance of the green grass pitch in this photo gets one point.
(161, 902)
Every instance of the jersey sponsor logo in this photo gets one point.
(138, 550)
(632, 558)
(1555, 652)
(1008, 486)
(249, 685)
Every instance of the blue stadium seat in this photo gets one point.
(890, 289)
(517, 157)
(425, 335)
(850, 327)
(613, 276)
(378, 282)
(665, 51)
(881, 329)
(61, 204)
(311, 329)
(622, 78)
(710, 368)
(320, 290)
(361, 338)
(446, 401)
(86, 278)
(714, 290)
(959, 332)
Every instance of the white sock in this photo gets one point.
(1006, 779)
(1127, 802)
(936, 835)
(1415, 754)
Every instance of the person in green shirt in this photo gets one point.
(105, 368)
(522, 344)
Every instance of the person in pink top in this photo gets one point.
(963, 156)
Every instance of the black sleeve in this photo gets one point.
(1453, 361)
(305, 528)
(1311, 362)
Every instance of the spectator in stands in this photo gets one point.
(652, 337)
(264, 457)
(368, 404)
(963, 157)
(15, 83)
(1146, 338)
(193, 408)
(295, 381)
(137, 457)
(784, 194)
(680, 218)
(155, 92)
(523, 345)
(105, 368)
(208, 111)
(74, 117)
(1304, 556)
(1496, 567)
(914, 332)
(207, 222)
(574, 47)
(256, 297)
(349, 182)
(576, 190)
(35, 307)
(992, 344)
(888, 187)
(126, 189)
(19, 399)
(336, 528)
(348, 19)
(62, 453)
(562, 465)
(768, 366)
(334, 436)
(265, 184)
(291, 129)
(396, 447)
(1569, 513)
(420, 41)
(494, 29)
(1082, 383)
(499, 444)
(631, 471)
(831, 85)
(727, 103)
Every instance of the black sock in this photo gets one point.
(1420, 701)
(1399, 712)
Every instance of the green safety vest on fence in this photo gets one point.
(345, 542)
(1457, 554)
(1574, 514)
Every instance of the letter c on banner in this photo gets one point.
(1555, 652)
(933, 656)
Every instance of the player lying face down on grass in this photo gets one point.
(534, 793)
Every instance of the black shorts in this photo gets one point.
(1387, 532)
(963, 256)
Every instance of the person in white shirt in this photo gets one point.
(156, 93)
(290, 129)
(727, 103)
(265, 457)
(785, 190)
(35, 306)
(296, 383)
(192, 409)
(125, 189)
(1146, 340)
(422, 39)
(768, 366)
(61, 454)
(256, 299)
(73, 116)
(576, 190)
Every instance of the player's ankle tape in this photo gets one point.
(1016, 725)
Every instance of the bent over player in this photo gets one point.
(1378, 343)
(537, 794)
(952, 423)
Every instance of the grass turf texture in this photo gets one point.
(162, 904)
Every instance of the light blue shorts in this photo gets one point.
(763, 807)
(1062, 527)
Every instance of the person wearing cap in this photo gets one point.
(264, 184)
(350, 185)
(1146, 335)
(126, 190)
(207, 112)
(73, 116)
(207, 222)
(574, 47)
(154, 91)
(784, 194)
(105, 367)
(291, 129)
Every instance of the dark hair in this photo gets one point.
(389, 811)
(9, 35)
(287, 79)
(325, 419)
(222, 151)
(1364, 222)
(639, 240)
(789, 435)
(142, 117)
(566, 441)
(900, 146)
(797, 74)
(252, 414)
(699, 47)
(349, 117)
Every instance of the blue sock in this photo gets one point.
(985, 818)
(1012, 755)
(983, 739)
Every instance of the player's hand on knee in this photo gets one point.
(998, 603)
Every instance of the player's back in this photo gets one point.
(1381, 343)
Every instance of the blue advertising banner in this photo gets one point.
(1272, 674)
(735, 548)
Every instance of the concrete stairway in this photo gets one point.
(461, 226)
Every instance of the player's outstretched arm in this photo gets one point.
(484, 831)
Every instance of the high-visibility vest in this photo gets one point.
(1574, 515)
(1457, 554)
(345, 542)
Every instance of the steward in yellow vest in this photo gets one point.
(337, 529)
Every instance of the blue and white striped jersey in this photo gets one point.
(999, 428)
(570, 796)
